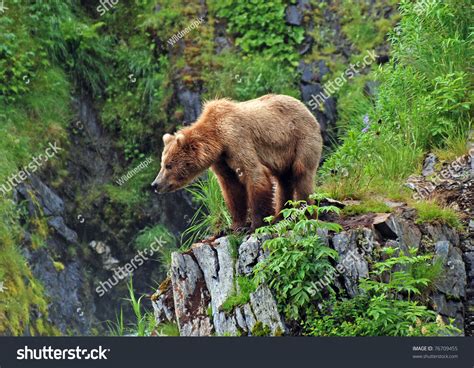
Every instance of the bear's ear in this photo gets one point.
(180, 138)
(167, 138)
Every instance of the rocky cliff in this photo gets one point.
(203, 278)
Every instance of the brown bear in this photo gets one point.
(249, 146)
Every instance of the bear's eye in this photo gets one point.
(168, 167)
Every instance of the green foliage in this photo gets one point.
(162, 239)
(149, 235)
(80, 46)
(365, 29)
(245, 286)
(259, 329)
(260, 28)
(423, 99)
(297, 256)
(144, 324)
(212, 216)
(379, 310)
(34, 109)
(366, 207)
(167, 329)
(429, 211)
(249, 78)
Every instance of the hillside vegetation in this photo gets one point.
(53, 52)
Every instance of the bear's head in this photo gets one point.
(182, 161)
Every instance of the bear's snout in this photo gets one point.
(159, 185)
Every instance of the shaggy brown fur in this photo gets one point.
(249, 146)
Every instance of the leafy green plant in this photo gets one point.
(297, 255)
(252, 77)
(380, 309)
(260, 28)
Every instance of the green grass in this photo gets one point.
(144, 324)
(423, 103)
(365, 207)
(167, 329)
(429, 211)
(212, 215)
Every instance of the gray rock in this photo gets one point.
(429, 165)
(453, 281)
(205, 278)
(440, 304)
(439, 232)
(108, 261)
(191, 102)
(52, 204)
(190, 295)
(396, 228)
(294, 16)
(217, 266)
(69, 306)
(250, 253)
(327, 115)
(351, 258)
(162, 302)
(264, 306)
(57, 223)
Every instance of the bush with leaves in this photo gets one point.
(296, 256)
(387, 305)
(260, 27)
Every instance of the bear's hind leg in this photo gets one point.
(284, 191)
(260, 193)
(304, 186)
(234, 192)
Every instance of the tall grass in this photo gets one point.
(212, 216)
(424, 100)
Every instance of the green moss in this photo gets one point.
(245, 286)
(59, 266)
(259, 329)
(429, 211)
(167, 329)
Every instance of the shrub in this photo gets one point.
(297, 256)
(260, 27)
(379, 310)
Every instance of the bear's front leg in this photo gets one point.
(234, 192)
(260, 193)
